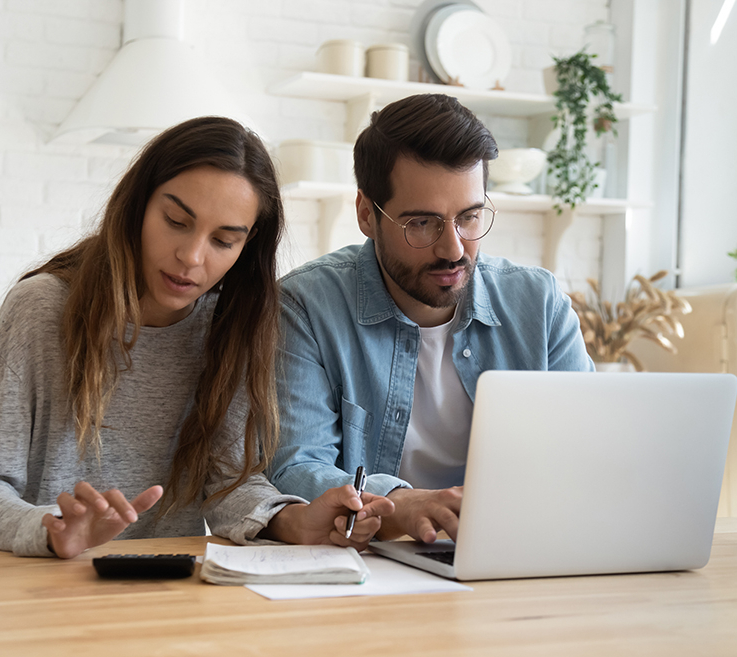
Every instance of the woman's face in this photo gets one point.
(194, 228)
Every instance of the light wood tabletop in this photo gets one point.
(56, 608)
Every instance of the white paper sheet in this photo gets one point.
(387, 578)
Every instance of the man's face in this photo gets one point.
(426, 283)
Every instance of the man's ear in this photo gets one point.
(365, 214)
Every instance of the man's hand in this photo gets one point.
(90, 518)
(421, 513)
(323, 520)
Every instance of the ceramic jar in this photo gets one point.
(341, 57)
(389, 61)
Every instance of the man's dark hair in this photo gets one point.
(432, 128)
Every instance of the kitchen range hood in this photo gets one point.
(155, 81)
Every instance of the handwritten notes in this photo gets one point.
(282, 564)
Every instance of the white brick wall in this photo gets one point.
(52, 50)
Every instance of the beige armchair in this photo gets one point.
(709, 345)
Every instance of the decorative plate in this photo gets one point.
(437, 19)
(418, 27)
(471, 48)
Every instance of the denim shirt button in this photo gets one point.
(398, 415)
(466, 353)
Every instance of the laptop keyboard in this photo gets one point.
(445, 556)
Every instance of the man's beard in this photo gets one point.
(410, 281)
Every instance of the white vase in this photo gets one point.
(623, 366)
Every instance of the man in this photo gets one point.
(384, 343)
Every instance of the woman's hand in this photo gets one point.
(324, 519)
(90, 518)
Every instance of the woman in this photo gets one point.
(145, 354)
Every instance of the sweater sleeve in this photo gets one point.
(244, 512)
(21, 530)
(247, 510)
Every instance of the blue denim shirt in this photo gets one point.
(346, 370)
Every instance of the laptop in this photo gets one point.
(572, 473)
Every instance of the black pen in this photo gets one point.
(359, 484)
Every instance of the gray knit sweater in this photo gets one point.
(38, 451)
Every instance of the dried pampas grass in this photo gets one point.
(646, 311)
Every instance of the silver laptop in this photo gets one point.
(572, 473)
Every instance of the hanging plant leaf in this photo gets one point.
(580, 82)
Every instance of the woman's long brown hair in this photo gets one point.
(104, 274)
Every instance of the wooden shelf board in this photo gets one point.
(342, 88)
(315, 191)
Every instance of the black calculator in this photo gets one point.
(144, 566)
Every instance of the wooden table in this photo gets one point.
(55, 608)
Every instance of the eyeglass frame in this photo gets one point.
(445, 221)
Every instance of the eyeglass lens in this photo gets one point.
(424, 231)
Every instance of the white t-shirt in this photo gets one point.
(434, 453)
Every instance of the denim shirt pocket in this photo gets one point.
(356, 426)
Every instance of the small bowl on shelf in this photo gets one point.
(514, 168)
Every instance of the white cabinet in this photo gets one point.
(363, 95)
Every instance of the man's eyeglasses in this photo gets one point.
(421, 232)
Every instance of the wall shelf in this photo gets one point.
(343, 88)
(307, 190)
(337, 197)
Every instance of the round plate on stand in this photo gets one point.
(434, 25)
(418, 27)
(472, 49)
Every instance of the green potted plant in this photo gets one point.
(582, 95)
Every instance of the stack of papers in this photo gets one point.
(282, 564)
